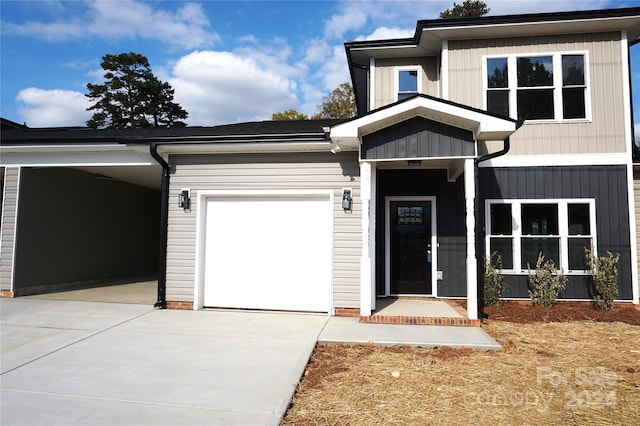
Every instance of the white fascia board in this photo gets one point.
(64, 148)
(483, 126)
(243, 147)
(69, 159)
(557, 160)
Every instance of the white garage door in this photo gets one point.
(268, 252)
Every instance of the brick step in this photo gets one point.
(412, 320)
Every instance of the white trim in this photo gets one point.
(387, 242)
(556, 59)
(626, 96)
(372, 84)
(563, 230)
(400, 68)
(603, 159)
(366, 305)
(483, 126)
(470, 221)
(205, 196)
(372, 232)
(69, 159)
(444, 76)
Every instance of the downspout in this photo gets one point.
(164, 219)
(505, 148)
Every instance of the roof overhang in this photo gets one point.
(483, 125)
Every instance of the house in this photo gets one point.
(502, 133)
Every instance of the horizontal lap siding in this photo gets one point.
(265, 172)
(8, 226)
(606, 131)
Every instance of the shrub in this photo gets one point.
(604, 273)
(494, 285)
(545, 282)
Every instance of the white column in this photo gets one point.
(472, 268)
(366, 291)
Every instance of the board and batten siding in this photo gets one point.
(8, 226)
(636, 200)
(385, 77)
(605, 133)
(265, 172)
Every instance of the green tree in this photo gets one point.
(132, 96)
(290, 114)
(340, 103)
(467, 9)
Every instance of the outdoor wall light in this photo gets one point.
(336, 149)
(346, 199)
(184, 199)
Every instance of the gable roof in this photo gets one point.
(430, 34)
(484, 125)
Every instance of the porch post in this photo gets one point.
(366, 292)
(472, 268)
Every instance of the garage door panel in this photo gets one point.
(268, 253)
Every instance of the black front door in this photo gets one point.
(411, 249)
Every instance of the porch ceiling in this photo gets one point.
(484, 125)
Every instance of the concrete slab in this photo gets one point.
(85, 363)
(161, 367)
(350, 330)
(414, 307)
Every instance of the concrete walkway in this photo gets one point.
(90, 363)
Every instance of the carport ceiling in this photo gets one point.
(148, 176)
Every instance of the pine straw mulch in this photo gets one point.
(555, 372)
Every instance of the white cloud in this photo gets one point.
(352, 17)
(50, 108)
(224, 87)
(386, 33)
(187, 27)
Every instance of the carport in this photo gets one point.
(80, 209)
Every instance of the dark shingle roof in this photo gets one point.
(288, 130)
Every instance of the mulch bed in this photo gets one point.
(524, 312)
(572, 364)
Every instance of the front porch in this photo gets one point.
(419, 311)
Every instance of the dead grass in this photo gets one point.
(556, 373)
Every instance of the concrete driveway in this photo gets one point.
(89, 363)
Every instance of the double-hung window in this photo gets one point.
(408, 82)
(519, 230)
(549, 87)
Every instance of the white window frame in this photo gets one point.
(512, 72)
(416, 68)
(563, 229)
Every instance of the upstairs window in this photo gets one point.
(408, 82)
(550, 87)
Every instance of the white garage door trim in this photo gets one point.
(325, 271)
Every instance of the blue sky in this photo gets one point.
(228, 61)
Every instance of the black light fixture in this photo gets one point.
(346, 199)
(184, 199)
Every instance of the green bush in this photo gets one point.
(604, 272)
(494, 285)
(545, 282)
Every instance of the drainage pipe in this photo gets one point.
(164, 219)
